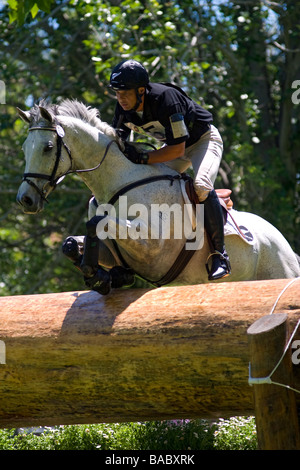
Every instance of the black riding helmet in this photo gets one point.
(128, 75)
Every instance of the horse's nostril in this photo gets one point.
(27, 201)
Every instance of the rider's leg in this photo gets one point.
(214, 224)
(206, 157)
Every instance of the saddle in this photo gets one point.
(223, 194)
(224, 198)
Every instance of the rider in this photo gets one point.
(165, 112)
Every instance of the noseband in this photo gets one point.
(53, 179)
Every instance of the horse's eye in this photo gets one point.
(48, 147)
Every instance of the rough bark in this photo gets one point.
(177, 352)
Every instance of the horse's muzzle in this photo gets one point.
(30, 201)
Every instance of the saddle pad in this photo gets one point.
(234, 224)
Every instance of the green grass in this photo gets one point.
(233, 434)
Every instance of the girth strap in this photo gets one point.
(179, 264)
(136, 184)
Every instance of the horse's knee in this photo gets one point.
(70, 249)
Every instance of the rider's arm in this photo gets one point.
(166, 153)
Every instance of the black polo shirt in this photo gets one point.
(169, 115)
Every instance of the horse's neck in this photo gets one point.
(88, 146)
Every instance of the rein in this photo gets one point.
(53, 179)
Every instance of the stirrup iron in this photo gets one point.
(224, 264)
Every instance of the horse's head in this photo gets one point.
(47, 158)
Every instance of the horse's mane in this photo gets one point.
(76, 109)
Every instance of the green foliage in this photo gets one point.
(176, 435)
(238, 433)
(233, 434)
(20, 8)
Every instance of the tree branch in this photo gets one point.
(283, 48)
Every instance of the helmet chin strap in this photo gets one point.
(138, 101)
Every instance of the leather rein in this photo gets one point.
(53, 179)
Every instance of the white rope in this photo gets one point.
(268, 380)
(282, 292)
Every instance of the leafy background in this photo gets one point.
(239, 59)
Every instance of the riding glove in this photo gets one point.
(134, 156)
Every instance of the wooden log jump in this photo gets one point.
(135, 355)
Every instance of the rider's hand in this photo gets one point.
(134, 156)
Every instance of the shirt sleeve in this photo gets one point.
(173, 112)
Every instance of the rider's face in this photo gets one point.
(127, 99)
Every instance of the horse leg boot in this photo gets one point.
(214, 225)
(70, 249)
(96, 278)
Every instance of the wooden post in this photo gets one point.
(275, 406)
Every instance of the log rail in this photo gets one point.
(134, 355)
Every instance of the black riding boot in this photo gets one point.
(214, 225)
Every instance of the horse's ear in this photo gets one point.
(46, 114)
(25, 115)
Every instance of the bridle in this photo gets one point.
(53, 179)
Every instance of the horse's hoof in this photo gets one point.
(100, 282)
(70, 249)
(103, 289)
(121, 277)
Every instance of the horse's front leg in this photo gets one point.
(95, 276)
(72, 248)
(97, 261)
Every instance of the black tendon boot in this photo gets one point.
(213, 223)
(71, 250)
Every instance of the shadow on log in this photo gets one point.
(135, 355)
